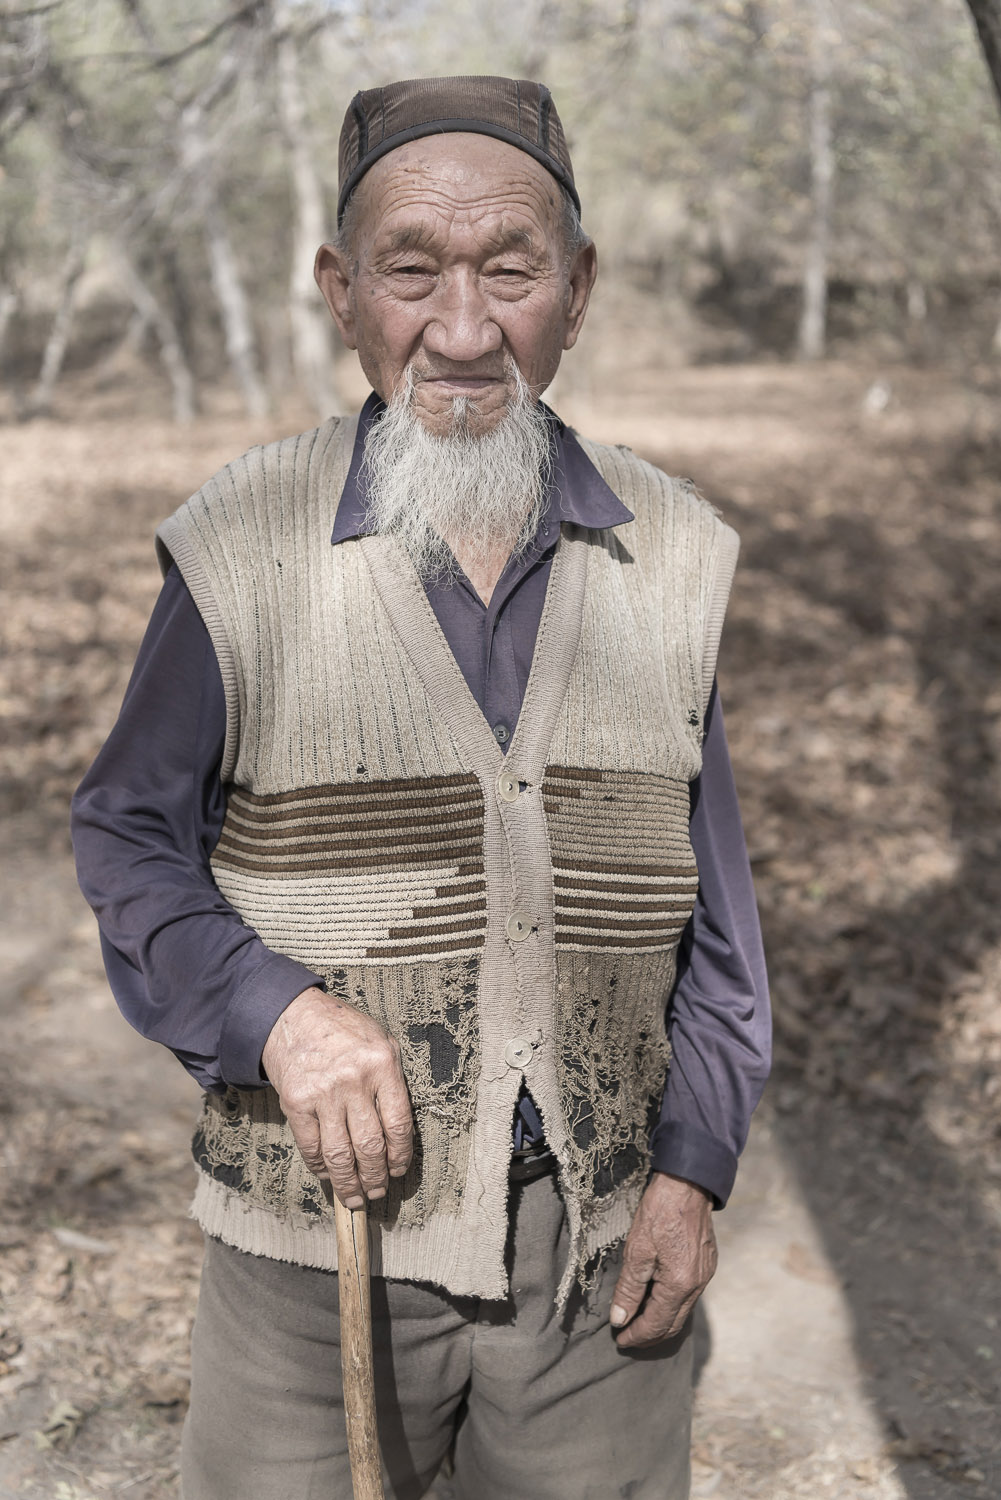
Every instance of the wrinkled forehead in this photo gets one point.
(457, 182)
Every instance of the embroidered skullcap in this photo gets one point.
(511, 109)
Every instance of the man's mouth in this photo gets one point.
(453, 383)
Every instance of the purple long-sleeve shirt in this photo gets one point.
(187, 972)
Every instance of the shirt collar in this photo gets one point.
(577, 492)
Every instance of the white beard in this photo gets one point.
(487, 493)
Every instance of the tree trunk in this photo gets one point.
(309, 321)
(813, 319)
(987, 18)
(917, 301)
(227, 282)
(8, 307)
(59, 334)
(109, 366)
(198, 172)
(152, 312)
(177, 300)
(228, 286)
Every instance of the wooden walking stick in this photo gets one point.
(356, 1351)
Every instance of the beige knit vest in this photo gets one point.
(509, 919)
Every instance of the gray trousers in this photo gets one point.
(534, 1407)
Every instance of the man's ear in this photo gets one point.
(581, 280)
(334, 276)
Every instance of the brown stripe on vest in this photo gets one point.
(663, 907)
(311, 831)
(455, 805)
(567, 938)
(422, 949)
(592, 867)
(621, 888)
(281, 870)
(325, 841)
(621, 878)
(594, 921)
(625, 787)
(351, 789)
(456, 907)
(572, 773)
(443, 929)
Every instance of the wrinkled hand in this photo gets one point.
(670, 1252)
(340, 1083)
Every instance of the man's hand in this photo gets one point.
(670, 1251)
(340, 1083)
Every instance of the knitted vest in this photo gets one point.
(509, 919)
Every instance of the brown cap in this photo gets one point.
(513, 110)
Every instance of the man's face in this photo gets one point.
(456, 266)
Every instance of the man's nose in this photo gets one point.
(461, 325)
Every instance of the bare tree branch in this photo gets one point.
(139, 18)
(247, 13)
(813, 319)
(172, 354)
(59, 333)
(162, 60)
(11, 122)
(309, 323)
(196, 172)
(35, 10)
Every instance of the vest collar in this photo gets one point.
(406, 603)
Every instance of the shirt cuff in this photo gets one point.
(685, 1151)
(252, 1013)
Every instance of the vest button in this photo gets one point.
(519, 927)
(508, 787)
(518, 1052)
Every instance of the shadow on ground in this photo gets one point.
(862, 673)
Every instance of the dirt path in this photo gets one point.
(853, 1330)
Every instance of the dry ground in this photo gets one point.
(854, 1341)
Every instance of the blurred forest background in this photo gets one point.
(764, 177)
(797, 205)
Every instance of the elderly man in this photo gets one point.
(416, 841)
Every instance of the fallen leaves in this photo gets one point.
(54, 1278)
(85, 1244)
(11, 1345)
(61, 1426)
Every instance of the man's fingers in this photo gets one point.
(327, 1152)
(305, 1128)
(368, 1146)
(631, 1287)
(339, 1162)
(354, 1150)
(663, 1317)
(393, 1104)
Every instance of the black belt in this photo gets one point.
(530, 1162)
